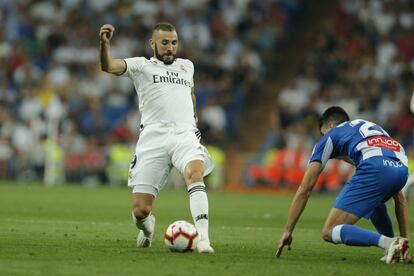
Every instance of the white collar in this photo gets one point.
(155, 60)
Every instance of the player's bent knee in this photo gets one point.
(326, 234)
(326, 237)
(141, 212)
(194, 176)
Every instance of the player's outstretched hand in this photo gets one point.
(407, 258)
(106, 32)
(286, 239)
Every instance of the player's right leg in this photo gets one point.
(382, 222)
(143, 219)
(147, 175)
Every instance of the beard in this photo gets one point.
(161, 57)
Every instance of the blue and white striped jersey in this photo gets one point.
(358, 140)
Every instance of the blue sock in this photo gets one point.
(382, 222)
(354, 235)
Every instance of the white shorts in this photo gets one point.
(161, 146)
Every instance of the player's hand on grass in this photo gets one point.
(286, 239)
(407, 258)
(106, 32)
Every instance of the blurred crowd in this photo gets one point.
(362, 59)
(62, 119)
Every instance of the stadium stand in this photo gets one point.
(361, 58)
(264, 71)
(62, 115)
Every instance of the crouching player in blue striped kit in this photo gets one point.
(381, 173)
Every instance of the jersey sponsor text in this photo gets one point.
(171, 78)
(383, 142)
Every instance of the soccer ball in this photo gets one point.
(181, 236)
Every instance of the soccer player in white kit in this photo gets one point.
(169, 136)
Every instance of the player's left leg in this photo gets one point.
(371, 186)
(194, 162)
(193, 175)
(339, 228)
(147, 175)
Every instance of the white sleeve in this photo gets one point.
(133, 65)
(191, 65)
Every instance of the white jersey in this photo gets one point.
(164, 91)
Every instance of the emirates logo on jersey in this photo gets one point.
(384, 142)
(171, 77)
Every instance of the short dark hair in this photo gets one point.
(163, 26)
(334, 114)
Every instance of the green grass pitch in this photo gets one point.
(73, 230)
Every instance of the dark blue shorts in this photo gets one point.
(375, 181)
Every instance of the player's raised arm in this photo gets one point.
(298, 204)
(108, 64)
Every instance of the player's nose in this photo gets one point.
(169, 47)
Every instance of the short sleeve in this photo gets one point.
(322, 151)
(134, 65)
(190, 65)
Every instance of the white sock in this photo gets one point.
(144, 224)
(199, 208)
(336, 234)
(385, 242)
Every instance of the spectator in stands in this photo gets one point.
(46, 49)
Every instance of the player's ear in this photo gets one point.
(152, 43)
(332, 125)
